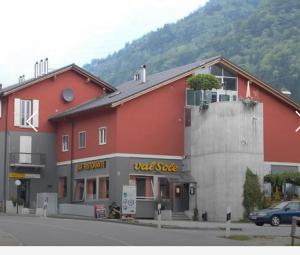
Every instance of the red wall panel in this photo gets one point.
(89, 122)
(154, 122)
(48, 92)
(281, 142)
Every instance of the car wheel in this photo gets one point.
(275, 221)
(259, 224)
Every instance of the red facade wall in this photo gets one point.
(48, 92)
(89, 122)
(281, 142)
(153, 123)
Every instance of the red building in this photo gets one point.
(108, 137)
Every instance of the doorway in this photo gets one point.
(24, 192)
(181, 197)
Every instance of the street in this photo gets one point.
(35, 231)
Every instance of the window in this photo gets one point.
(293, 206)
(91, 190)
(65, 143)
(103, 187)
(26, 112)
(223, 98)
(79, 190)
(227, 78)
(102, 135)
(62, 188)
(229, 84)
(82, 140)
(164, 188)
(140, 186)
(193, 97)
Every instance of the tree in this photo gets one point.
(204, 82)
(253, 196)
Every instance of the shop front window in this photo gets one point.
(91, 189)
(103, 187)
(140, 186)
(62, 188)
(164, 188)
(79, 190)
(144, 187)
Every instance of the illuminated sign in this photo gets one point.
(90, 165)
(23, 176)
(156, 166)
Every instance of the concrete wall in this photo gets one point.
(77, 209)
(226, 139)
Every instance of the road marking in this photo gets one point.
(29, 119)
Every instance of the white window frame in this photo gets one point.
(79, 145)
(62, 143)
(102, 140)
(25, 125)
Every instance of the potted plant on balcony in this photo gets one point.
(204, 82)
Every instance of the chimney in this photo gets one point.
(41, 71)
(46, 66)
(36, 69)
(143, 73)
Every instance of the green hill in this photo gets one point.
(262, 36)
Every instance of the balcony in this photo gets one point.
(199, 97)
(20, 159)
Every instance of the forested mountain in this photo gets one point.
(262, 36)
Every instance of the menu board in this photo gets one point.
(129, 199)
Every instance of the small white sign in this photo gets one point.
(129, 199)
(17, 182)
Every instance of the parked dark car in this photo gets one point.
(281, 213)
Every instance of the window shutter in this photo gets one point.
(17, 114)
(35, 109)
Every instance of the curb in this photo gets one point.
(137, 223)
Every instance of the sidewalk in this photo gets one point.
(200, 225)
(193, 225)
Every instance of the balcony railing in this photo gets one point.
(27, 159)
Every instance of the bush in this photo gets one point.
(253, 198)
(204, 82)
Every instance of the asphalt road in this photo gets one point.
(35, 231)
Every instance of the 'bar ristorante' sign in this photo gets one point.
(86, 166)
(156, 166)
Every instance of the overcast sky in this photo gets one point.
(76, 31)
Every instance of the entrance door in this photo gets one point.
(181, 198)
(24, 192)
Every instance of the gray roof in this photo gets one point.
(32, 81)
(131, 88)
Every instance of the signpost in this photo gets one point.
(129, 200)
(18, 183)
(228, 221)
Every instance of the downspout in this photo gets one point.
(72, 157)
(5, 157)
